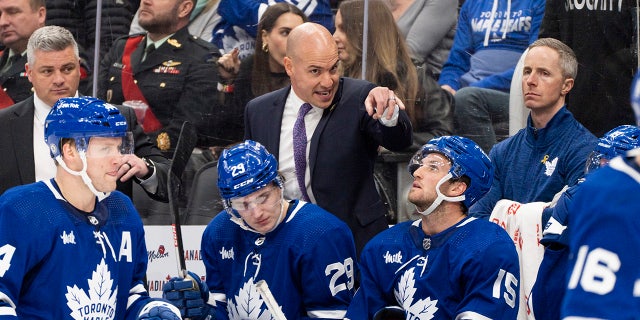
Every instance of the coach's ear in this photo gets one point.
(567, 85)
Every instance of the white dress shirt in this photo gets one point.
(286, 162)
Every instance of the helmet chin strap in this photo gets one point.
(83, 174)
(440, 197)
(244, 226)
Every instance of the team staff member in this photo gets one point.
(173, 72)
(332, 166)
(54, 72)
(20, 18)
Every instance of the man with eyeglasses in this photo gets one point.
(304, 254)
(445, 265)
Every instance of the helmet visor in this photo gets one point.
(100, 146)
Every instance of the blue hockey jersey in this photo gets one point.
(468, 271)
(308, 262)
(604, 279)
(239, 21)
(59, 263)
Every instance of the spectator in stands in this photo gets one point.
(429, 27)
(202, 20)
(237, 29)
(263, 71)
(389, 64)
(79, 17)
(604, 37)
(20, 18)
(550, 152)
(54, 71)
(173, 73)
(490, 38)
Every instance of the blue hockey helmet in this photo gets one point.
(467, 159)
(83, 118)
(614, 143)
(244, 169)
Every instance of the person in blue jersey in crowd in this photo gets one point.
(302, 253)
(489, 40)
(546, 295)
(602, 277)
(445, 265)
(237, 28)
(549, 153)
(85, 255)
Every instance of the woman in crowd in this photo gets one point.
(262, 71)
(389, 64)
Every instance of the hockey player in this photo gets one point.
(603, 278)
(548, 291)
(302, 253)
(71, 247)
(444, 265)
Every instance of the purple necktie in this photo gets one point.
(300, 149)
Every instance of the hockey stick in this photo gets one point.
(186, 143)
(270, 300)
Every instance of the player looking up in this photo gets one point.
(445, 265)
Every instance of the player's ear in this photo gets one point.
(68, 149)
(456, 188)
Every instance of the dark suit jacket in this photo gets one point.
(342, 154)
(16, 144)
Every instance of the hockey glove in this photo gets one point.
(159, 310)
(190, 295)
(390, 313)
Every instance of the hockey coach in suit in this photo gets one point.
(54, 71)
(341, 136)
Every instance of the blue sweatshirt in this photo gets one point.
(486, 57)
(239, 21)
(535, 164)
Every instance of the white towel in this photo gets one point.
(524, 225)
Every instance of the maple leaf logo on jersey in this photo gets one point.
(550, 166)
(248, 304)
(423, 309)
(101, 301)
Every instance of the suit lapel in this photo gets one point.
(326, 115)
(22, 138)
(275, 111)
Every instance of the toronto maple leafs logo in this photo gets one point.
(248, 304)
(423, 309)
(550, 166)
(100, 302)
